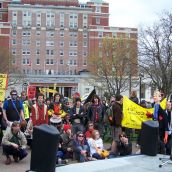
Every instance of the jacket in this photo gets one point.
(8, 135)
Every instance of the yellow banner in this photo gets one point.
(2, 94)
(47, 90)
(3, 85)
(3, 81)
(134, 114)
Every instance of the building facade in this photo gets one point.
(54, 38)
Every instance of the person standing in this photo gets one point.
(26, 105)
(169, 142)
(13, 109)
(96, 114)
(77, 117)
(160, 115)
(39, 114)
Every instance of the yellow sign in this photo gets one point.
(47, 90)
(134, 114)
(2, 94)
(3, 85)
(3, 81)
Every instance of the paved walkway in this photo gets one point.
(24, 165)
(21, 166)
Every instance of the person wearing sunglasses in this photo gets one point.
(13, 109)
(81, 148)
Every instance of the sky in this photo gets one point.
(135, 13)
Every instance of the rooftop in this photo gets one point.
(51, 2)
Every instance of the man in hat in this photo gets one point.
(67, 141)
(13, 109)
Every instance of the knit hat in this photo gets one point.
(66, 127)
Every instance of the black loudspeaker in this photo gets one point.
(149, 138)
(44, 148)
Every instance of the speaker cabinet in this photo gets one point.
(44, 148)
(149, 138)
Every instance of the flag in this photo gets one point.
(134, 114)
(90, 96)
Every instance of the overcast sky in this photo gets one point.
(133, 13)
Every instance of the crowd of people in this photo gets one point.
(81, 126)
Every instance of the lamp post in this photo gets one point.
(140, 85)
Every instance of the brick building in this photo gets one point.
(54, 38)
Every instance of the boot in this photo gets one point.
(8, 161)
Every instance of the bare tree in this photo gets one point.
(155, 52)
(7, 66)
(114, 63)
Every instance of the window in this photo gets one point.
(27, 14)
(61, 53)
(61, 61)
(85, 35)
(25, 52)
(50, 14)
(13, 60)
(38, 33)
(26, 42)
(38, 14)
(72, 53)
(38, 43)
(26, 23)
(49, 61)
(84, 53)
(73, 34)
(14, 42)
(85, 16)
(98, 9)
(85, 62)
(25, 61)
(75, 62)
(14, 13)
(37, 61)
(13, 51)
(84, 44)
(0, 5)
(26, 33)
(0, 16)
(38, 23)
(14, 32)
(62, 33)
(61, 16)
(49, 33)
(97, 20)
(61, 43)
(73, 44)
(50, 52)
(62, 24)
(37, 52)
(100, 34)
(49, 43)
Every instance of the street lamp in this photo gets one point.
(140, 85)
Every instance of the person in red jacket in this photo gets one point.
(39, 114)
